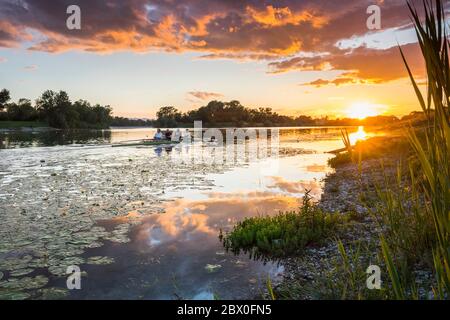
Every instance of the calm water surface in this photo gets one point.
(175, 252)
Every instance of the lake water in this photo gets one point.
(143, 222)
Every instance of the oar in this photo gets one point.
(120, 142)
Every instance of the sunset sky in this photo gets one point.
(314, 57)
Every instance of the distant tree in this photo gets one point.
(304, 121)
(45, 104)
(21, 111)
(379, 120)
(56, 109)
(168, 116)
(85, 114)
(125, 122)
(60, 112)
(102, 114)
(4, 99)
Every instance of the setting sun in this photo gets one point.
(362, 110)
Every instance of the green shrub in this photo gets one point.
(274, 237)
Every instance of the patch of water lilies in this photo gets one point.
(54, 198)
(25, 283)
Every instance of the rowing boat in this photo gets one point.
(145, 143)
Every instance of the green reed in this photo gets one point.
(418, 218)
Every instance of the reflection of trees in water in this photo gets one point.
(15, 139)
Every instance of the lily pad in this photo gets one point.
(26, 283)
(53, 293)
(211, 268)
(100, 260)
(11, 295)
(21, 272)
(15, 263)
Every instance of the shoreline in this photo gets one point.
(316, 274)
(311, 268)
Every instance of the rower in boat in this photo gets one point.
(176, 136)
(168, 134)
(186, 137)
(159, 135)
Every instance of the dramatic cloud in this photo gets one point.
(361, 65)
(201, 95)
(292, 34)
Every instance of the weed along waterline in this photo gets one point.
(194, 156)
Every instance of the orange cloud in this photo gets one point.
(271, 16)
(337, 82)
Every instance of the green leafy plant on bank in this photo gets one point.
(274, 237)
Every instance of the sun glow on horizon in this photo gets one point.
(362, 110)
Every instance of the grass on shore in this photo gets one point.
(22, 124)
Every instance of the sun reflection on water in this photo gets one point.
(359, 135)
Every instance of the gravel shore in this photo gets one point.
(315, 274)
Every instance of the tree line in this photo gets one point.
(218, 113)
(127, 122)
(56, 109)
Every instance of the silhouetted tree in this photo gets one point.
(60, 112)
(168, 117)
(4, 99)
(21, 111)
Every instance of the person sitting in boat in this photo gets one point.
(168, 134)
(176, 136)
(158, 135)
(186, 137)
